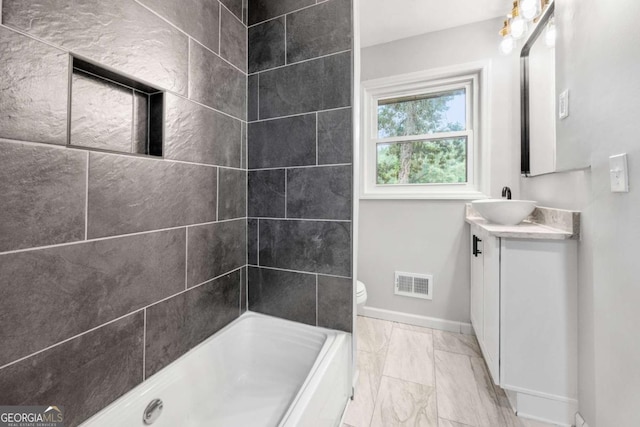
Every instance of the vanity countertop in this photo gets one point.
(544, 223)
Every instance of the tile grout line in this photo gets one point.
(118, 236)
(232, 14)
(144, 344)
(285, 194)
(298, 271)
(280, 16)
(300, 167)
(81, 149)
(285, 41)
(184, 33)
(298, 114)
(315, 58)
(186, 257)
(118, 319)
(217, 193)
(346, 221)
(220, 28)
(86, 201)
(218, 55)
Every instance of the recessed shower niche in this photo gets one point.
(112, 112)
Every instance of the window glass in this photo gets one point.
(422, 114)
(435, 161)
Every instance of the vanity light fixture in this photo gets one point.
(507, 44)
(515, 27)
(518, 24)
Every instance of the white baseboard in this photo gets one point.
(416, 320)
(556, 410)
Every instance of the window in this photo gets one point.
(421, 136)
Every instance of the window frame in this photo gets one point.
(474, 79)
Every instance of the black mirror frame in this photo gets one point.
(525, 162)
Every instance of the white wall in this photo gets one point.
(598, 60)
(426, 236)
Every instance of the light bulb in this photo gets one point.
(529, 9)
(518, 27)
(506, 45)
(550, 34)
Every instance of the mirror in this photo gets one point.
(538, 99)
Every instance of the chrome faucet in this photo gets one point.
(506, 192)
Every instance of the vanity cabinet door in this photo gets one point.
(477, 279)
(491, 305)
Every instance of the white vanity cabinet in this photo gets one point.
(524, 313)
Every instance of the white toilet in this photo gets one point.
(361, 296)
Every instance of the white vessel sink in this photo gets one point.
(503, 211)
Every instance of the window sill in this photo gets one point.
(458, 195)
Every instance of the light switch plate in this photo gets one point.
(619, 173)
(563, 104)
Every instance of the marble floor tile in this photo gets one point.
(458, 398)
(372, 334)
(360, 409)
(403, 403)
(508, 415)
(410, 357)
(442, 422)
(456, 343)
(412, 328)
(490, 413)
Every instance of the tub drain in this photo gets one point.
(152, 412)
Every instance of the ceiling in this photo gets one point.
(382, 21)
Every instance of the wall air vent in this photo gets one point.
(414, 285)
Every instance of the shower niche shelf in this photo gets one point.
(112, 112)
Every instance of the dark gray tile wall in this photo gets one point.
(178, 324)
(335, 303)
(319, 193)
(216, 83)
(267, 193)
(319, 30)
(53, 294)
(300, 185)
(84, 374)
(33, 78)
(261, 10)
(233, 40)
(335, 137)
(283, 293)
(121, 34)
(130, 194)
(318, 84)
(198, 134)
(91, 243)
(290, 141)
(198, 18)
(215, 249)
(313, 246)
(232, 195)
(267, 45)
(42, 194)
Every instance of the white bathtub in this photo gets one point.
(257, 371)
